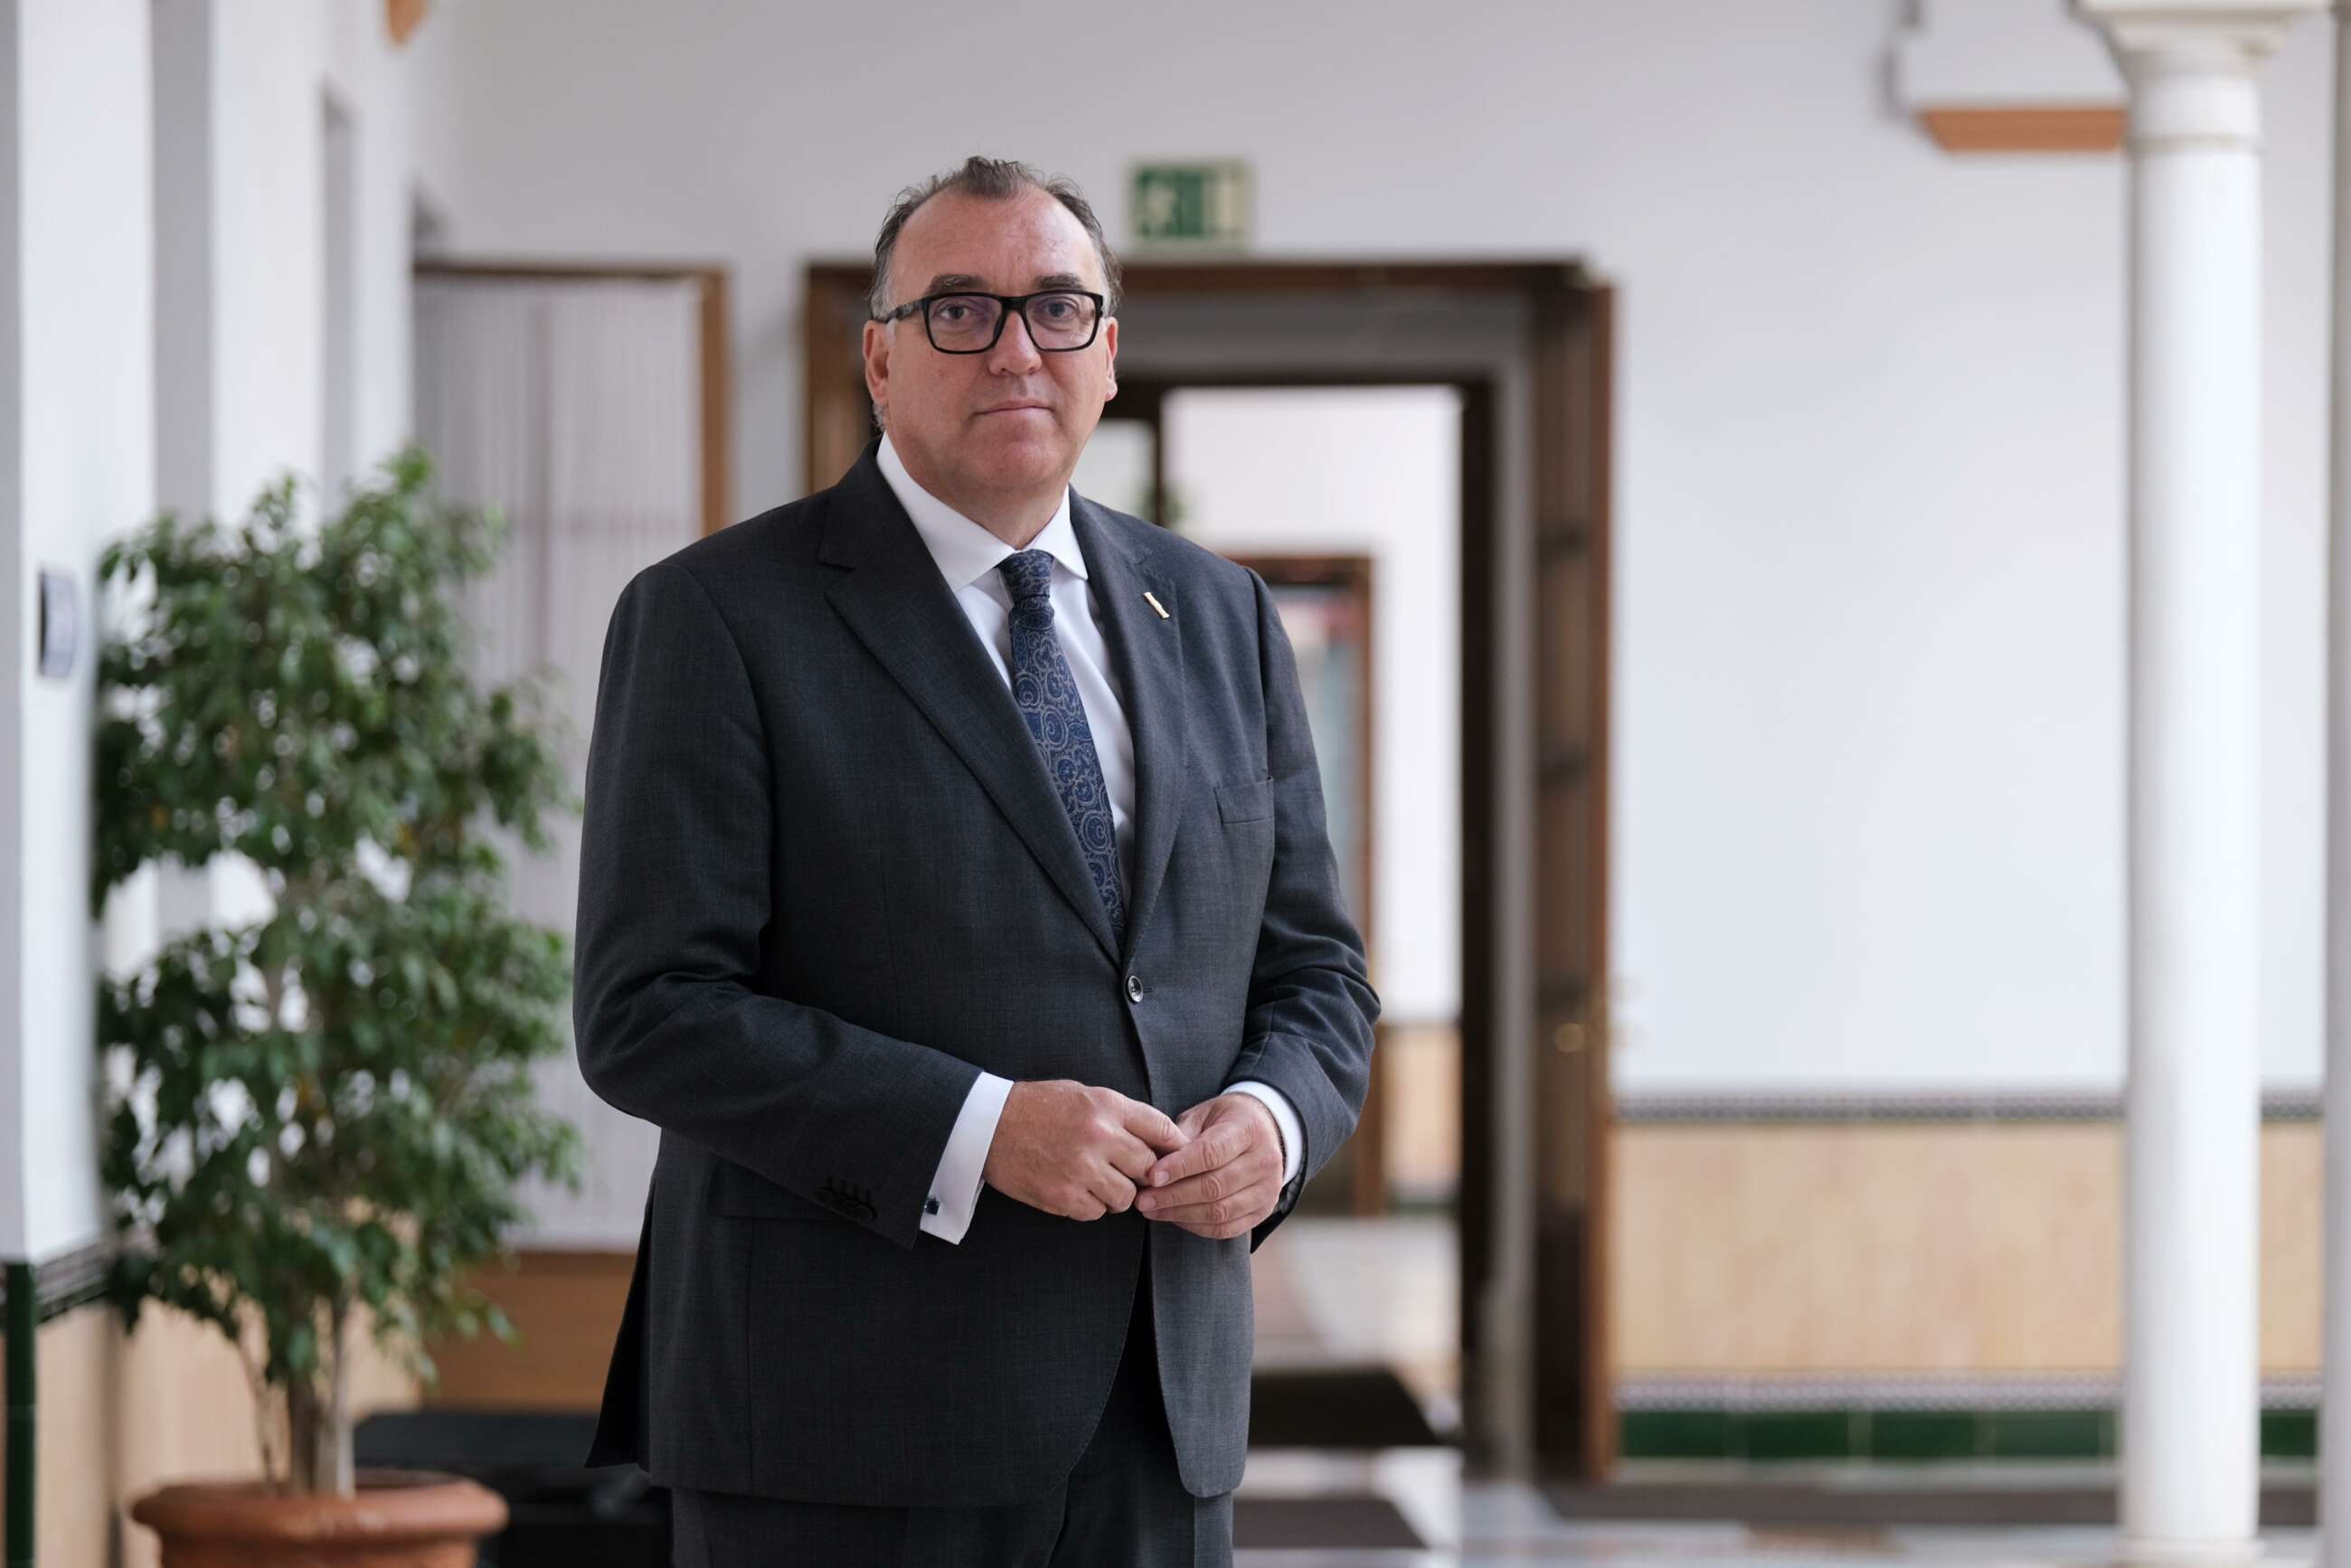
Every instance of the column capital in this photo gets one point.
(2218, 35)
(2191, 65)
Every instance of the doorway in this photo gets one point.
(1527, 347)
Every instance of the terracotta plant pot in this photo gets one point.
(400, 1519)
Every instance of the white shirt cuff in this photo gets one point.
(954, 1186)
(1285, 1116)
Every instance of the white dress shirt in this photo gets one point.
(968, 554)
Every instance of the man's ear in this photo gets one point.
(876, 351)
(1110, 356)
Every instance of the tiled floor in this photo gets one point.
(1498, 1523)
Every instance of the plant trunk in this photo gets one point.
(305, 1425)
(338, 1421)
(318, 1419)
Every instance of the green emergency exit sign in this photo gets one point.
(1192, 203)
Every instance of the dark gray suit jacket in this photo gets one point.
(824, 881)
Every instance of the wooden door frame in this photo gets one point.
(1353, 576)
(1571, 1429)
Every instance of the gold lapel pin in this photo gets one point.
(1148, 599)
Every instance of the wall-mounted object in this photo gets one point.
(2026, 128)
(1193, 204)
(2009, 77)
(402, 17)
(60, 624)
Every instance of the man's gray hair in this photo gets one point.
(992, 179)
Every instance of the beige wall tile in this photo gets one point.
(119, 1416)
(2294, 1246)
(1891, 1248)
(1420, 1074)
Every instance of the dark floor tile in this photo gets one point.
(1361, 1523)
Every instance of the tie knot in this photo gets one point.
(1030, 574)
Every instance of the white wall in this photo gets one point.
(1869, 514)
(272, 60)
(116, 407)
(78, 392)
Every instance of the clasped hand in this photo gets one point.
(1081, 1150)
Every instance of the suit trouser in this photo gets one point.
(1121, 1507)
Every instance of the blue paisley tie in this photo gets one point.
(1047, 699)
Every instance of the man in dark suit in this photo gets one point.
(955, 895)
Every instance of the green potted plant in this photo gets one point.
(319, 1118)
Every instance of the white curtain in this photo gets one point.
(575, 407)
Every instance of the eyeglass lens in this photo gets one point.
(963, 322)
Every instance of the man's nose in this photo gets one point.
(1015, 349)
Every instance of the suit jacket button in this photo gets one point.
(1134, 988)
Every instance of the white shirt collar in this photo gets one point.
(964, 550)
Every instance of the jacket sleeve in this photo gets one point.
(1308, 1030)
(675, 887)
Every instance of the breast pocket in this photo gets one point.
(1245, 799)
(1243, 856)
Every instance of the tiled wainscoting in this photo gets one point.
(117, 1415)
(1911, 1276)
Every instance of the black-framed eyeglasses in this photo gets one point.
(1060, 320)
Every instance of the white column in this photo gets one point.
(2334, 1407)
(2190, 1417)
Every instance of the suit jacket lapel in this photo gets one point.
(1149, 654)
(901, 609)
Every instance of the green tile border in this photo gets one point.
(2048, 1435)
(1802, 1434)
(1915, 1435)
(1678, 1434)
(1856, 1433)
(2289, 1434)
